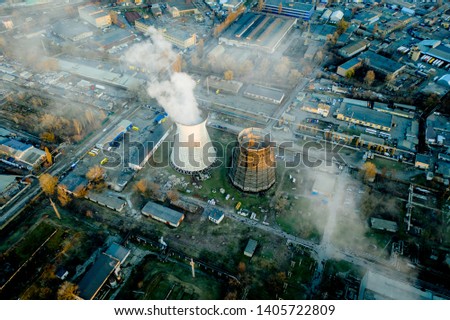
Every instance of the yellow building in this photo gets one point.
(364, 116)
(321, 108)
(95, 16)
(180, 38)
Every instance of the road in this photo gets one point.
(77, 153)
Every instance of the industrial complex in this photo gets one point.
(238, 150)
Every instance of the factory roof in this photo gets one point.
(115, 36)
(258, 31)
(162, 213)
(119, 130)
(443, 168)
(365, 114)
(264, 92)
(96, 277)
(441, 52)
(423, 158)
(381, 63)
(6, 180)
(375, 286)
(16, 145)
(224, 85)
(289, 4)
(102, 76)
(181, 4)
(350, 64)
(69, 29)
(444, 80)
(381, 224)
(74, 181)
(354, 47)
(372, 139)
(109, 201)
(117, 251)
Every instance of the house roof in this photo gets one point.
(117, 251)
(96, 276)
(164, 213)
(251, 246)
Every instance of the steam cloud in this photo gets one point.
(175, 95)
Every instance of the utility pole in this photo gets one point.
(55, 208)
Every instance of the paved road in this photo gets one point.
(77, 153)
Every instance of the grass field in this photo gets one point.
(154, 280)
(305, 218)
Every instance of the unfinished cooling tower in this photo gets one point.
(192, 151)
(253, 162)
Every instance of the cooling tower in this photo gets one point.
(192, 151)
(253, 162)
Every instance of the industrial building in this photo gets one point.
(253, 163)
(423, 161)
(375, 286)
(109, 201)
(132, 16)
(354, 48)
(115, 135)
(383, 225)
(106, 266)
(250, 249)
(258, 31)
(23, 153)
(232, 5)
(193, 151)
(71, 30)
(179, 8)
(95, 16)
(316, 108)
(350, 65)
(143, 25)
(351, 111)
(381, 64)
(437, 130)
(264, 93)
(180, 38)
(113, 38)
(289, 8)
(229, 86)
(160, 213)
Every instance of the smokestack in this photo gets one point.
(192, 151)
(253, 163)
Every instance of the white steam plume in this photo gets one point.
(175, 95)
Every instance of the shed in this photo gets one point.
(250, 248)
(166, 215)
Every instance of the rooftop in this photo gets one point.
(164, 213)
(117, 251)
(97, 275)
(375, 286)
(381, 224)
(365, 114)
(270, 93)
(251, 247)
(381, 63)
